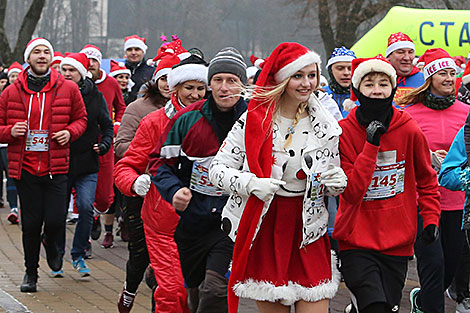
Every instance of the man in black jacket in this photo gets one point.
(135, 48)
(84, 164)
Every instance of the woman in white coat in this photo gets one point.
(278, 163)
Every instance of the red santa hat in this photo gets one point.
(175, 47)
(14, 68)
(118, 68)
(92, 52)
(398, 41)
(363, 66)
(34, 43)
(78, 60)
(165, 61)
(135, 41)
(284, 61)
(256, 61)
(436, 59)
(466, 74)
(58, 57)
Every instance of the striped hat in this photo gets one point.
(228, 60)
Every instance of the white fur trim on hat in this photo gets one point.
(340, 58)
(465, 79)
(437, 65)
(13, 70)
(72, 62)
(399, 45)
(160, 73)
(121, 71)
(34, 44)
(93, 53)
(373, 65)
(290, 293)
(291, 68)
(185, 73)
(135, 43)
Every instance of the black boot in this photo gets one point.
(29, 283)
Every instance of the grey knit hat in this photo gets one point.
(228, 60)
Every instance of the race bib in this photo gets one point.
(388, 179)
(317, 190)
(37, 140)
(200, 181)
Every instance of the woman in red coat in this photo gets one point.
(159, 216)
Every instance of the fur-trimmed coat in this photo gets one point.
(230, 171)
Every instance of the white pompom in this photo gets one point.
(258, 63)
(121, 64)
(348, 105)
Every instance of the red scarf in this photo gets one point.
(258, 143)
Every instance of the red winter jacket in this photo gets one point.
(156, 212)
(386, 225)
(112, 93)
(63, 109)
(160, 218)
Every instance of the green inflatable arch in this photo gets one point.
(428, 28)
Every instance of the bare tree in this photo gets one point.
(25, 32)
(344, 22)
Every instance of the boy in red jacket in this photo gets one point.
(40, 114)
(386, 158)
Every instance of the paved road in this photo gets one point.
(100, 291)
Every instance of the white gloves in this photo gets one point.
(263, 188)
(142, 185)
(334, 179)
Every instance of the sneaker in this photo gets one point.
(348, 308)
(464, 306)
(57, 274)
(53, 257)
(451, 292)
(80, 266)
(88, 254)
(126, 300)
(108, 241)
(96, 228)
(29, 283)
(13, 217)
(413, 298)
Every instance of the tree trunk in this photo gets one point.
(326, 30)
(27, 28)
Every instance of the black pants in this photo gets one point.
(462, 275)
(43, 201)
(138, 253)
(430, 264)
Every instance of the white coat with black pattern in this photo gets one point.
(229, 171)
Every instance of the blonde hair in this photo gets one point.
(415, 96)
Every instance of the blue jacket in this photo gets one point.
(451, 167)
(339, 99)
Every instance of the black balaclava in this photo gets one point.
(372, 109)
(334, 85)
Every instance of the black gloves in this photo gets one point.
(429, 234)
(374, 131)
(103, 148)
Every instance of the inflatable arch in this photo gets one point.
(428, 28)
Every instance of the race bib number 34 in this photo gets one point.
(37, 140)
(387, 181)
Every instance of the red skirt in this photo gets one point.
(278, 270)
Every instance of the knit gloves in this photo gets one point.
(335, 180)
(430, 234)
